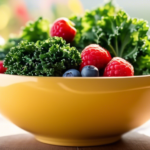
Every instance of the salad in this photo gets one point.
(105, 41)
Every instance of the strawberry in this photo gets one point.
(63, 27)
(2, 69)
(118, 67)
(95, 55)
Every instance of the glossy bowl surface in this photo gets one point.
(75, 111)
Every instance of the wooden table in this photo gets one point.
(13, 138)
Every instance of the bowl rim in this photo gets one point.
(100, 77)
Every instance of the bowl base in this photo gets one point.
(75, 142)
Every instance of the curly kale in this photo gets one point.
(86, 25)
(51, 57)
(4, 49)
(127, 38)
(142, 63)
(114, 30)
(32, 32)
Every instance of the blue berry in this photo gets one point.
(90, 71)
(72, 73)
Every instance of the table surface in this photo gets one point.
(13, 138)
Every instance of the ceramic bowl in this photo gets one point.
(75, 111)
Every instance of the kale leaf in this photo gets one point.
(86, 25)
(4, 49)
(114, 30)
(32, 32)
(51, 57)
(125, 37)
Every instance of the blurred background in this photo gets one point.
(15, 13)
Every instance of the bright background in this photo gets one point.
(15, 13)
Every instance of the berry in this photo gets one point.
(118, 67)
(63, 27)
(72, 73)
(90, 71)
(2, 69)
(96, 56)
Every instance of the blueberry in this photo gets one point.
(72, 73)
(90, 71)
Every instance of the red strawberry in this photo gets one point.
(63, 27)
(2, 69)
(118, 67)
(96, 56)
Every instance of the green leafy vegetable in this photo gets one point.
(125, 37)
(32, 32)
(51, 57)
(4, 49)
(107, 26)
(142, 64)
(114, 30)
(87, 25)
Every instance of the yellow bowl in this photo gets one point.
(75, 111)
